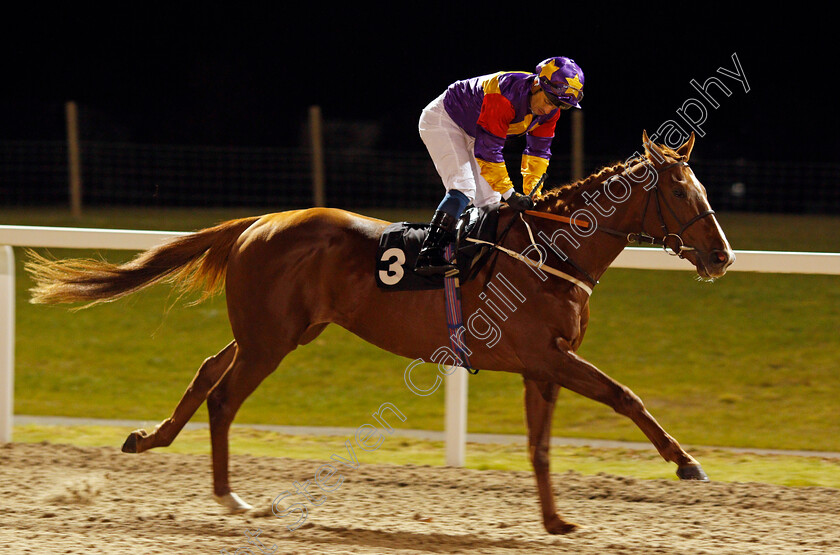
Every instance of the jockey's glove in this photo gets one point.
(520, 202)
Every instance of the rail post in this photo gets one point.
(577, 145)
(7, 342)
(74, 159)
(456, 417)
(316, 141)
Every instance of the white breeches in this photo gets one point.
(451, 149)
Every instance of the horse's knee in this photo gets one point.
(627, 402)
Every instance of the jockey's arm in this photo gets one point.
(490, 136)
(537, 153)
(495, 171)
(533, 168)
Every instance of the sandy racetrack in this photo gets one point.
(65, 499)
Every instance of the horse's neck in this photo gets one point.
(598, 249)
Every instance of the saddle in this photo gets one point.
(400, 245)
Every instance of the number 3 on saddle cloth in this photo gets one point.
(400, 245)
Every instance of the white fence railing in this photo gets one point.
(456, 385)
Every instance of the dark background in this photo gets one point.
(229, 76)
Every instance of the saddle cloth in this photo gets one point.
(400, 245)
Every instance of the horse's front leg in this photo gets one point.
(540, 398)
(578, 375)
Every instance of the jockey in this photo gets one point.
(465, 130)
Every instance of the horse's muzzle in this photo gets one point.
(718, 261)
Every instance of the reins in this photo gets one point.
(639, 237)
(538, 265)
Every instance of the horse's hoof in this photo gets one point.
(556, 525)
(692, 472)
(233, 503)
(130, 444)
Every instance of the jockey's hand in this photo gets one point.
(520, 202)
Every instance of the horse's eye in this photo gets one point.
(679, 193)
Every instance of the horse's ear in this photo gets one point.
(653, 151)
(685, 149)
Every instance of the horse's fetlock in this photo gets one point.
(163, 441)
(540, 459)
(540, 463)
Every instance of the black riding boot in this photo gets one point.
(431, 260)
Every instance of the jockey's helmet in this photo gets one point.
(562, 80)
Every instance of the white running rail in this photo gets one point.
(456, 386)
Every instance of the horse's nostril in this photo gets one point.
(719, 257)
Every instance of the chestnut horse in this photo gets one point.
(288, 275)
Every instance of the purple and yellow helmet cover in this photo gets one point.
(562, 80)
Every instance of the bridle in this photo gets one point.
(644, 237)
(638, 237)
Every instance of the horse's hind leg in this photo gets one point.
(249, 368)
(165, 433)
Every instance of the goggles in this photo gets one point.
(563, 96)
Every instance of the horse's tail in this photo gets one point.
(197, 261)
